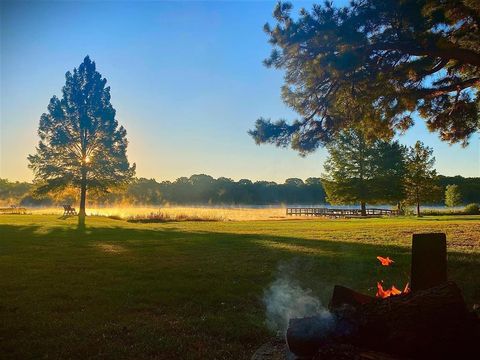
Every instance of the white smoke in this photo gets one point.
(285, 299)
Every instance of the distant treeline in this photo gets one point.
(197, 189)
(204, 189)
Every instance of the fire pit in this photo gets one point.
(427, 319)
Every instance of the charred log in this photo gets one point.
(345, 296)
(306, 335)
(430, 323)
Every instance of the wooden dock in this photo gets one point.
(339, 213)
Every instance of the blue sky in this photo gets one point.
(186, 79)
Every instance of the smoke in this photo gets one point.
(285, 299)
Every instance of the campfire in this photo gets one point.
(428, 319)
(384, 293)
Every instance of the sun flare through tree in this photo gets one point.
(81, 144)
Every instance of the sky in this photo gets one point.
(186, 78)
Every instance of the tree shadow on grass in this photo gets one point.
(161, 290)
(449, 218)
(329, 262)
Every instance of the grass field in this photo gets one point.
(190, 290)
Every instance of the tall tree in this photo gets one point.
(362, 171)
(392, 57)
(81, 144)
(421, 182)
(453, 197)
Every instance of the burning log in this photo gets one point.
(432, 323)
(384, 293)
(429, 323)
(345, 296)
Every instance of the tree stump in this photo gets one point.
(429, 261)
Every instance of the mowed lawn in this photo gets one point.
(190, 290)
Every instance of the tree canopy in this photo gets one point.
(379, 62)
(421, 182)
(361, 171)
(453, 197)
(81, 144)
(223, 191)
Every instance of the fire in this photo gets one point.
(385, 261)
(384, 293)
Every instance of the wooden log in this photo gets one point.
(306, 335)
(345, 296)
(429, 260)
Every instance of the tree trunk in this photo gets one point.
(364, 208)
(83, 198)
(418, 209)
(400, 208)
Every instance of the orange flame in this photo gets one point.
(385, 293)
(385, 261)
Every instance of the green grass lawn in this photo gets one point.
(190, 290)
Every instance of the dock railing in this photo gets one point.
(331, 212)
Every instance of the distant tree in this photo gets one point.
(453, 197)
(361, 171)
(315, 193)
(294, 182)
(11, 193)
(202, 187)
(144, 191)
(391, 57)
(245, 182)
(223, 190)
(421, 183)
(81, 144)
(244, 192)
(293, 190)
(313, 181)
(469, 187)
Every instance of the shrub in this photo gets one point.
(164, 217)
(408, 211)
(472, 209)
(452, 196)
(115, 217)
